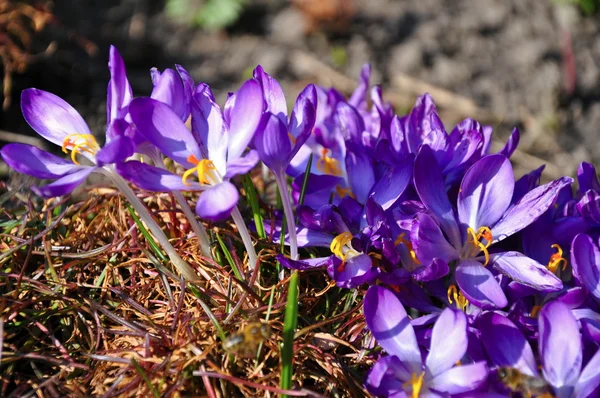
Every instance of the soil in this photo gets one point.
(534, 64)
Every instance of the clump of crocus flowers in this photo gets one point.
(477, 284)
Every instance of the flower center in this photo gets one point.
(460, 300)
(328, 165)
(556, 259)
(402, 239)
(475, 243)
(341, 192)
(416, 383)
(80, 143)
(206, 171)
(341, 247)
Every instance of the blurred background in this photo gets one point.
(533, 64)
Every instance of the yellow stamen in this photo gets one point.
(460, 300)
(328, 165)
(556, 259)
(416, 383)
(80, 143)
(477, 245)
(341, 192)
(535, 311)
(402, 239)
(203, 167)
(338, 243)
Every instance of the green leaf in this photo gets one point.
(289, 328)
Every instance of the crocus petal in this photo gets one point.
(505, 344)
(350, 121)
(389, 188)
(559, 347)
(217, 202)
(273, 144)
(429, 184)
(388, 322)
(163, 128)
(387, 376)
(429, 242)
(589, 378)
(273, 94)
(460, 379)
(511, 144)
(154, 179)
(119, 91)
(246, 114)
(302, 119)
(64, 185)
(585, 258)
(242, 165)
(587, 177)
(208, 126)
(479, 285)
(117, 150)
(169, 89)
(35, 162)
(309, 263)
(436, 270)
(360, 172)
(51, 116)
(448, 341)
(485, 192)
(529, 208)
(526, 271)
(354, 272)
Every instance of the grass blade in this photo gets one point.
(144, 376)
(252, 197)
(305, 180)
(151, 242)
(289, 327)
(229, 258)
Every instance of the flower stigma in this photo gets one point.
(328, 165)
(556, 259)
(416, 382)
(460, 300)
(80, 143)
(205, 168)
(402, 239)
(475, 244)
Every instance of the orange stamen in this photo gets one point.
(556, 259)
(328, 165)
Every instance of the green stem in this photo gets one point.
(289, 214)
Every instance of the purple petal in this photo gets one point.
(387, 377)
(389, 188)
(429, 184)
(117, 150)
(589, 378)
(485, 192)
(511, 144)
(169, 89)
(51, 116)
(163, 128)
(388, 322)
(272, 93)
(587, 178)
(529, 208)
(64, 185)
(354, 272)
(359, 169)
(585, 258)
(32, 161)
(350, 121)
(119, 91)
(460, 379)
(360, 92)
(448, 341)
(559, 346)
(217, 202)
(246, 114)
(505, 344)
(208, 126)
(273, 144)
(526, 271)
(242, 165)
(309, 263)
(302, 119)
(479, 285)
(154, 179)
(429, 242)
(436, 270)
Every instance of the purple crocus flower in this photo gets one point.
(58, 122)
(404, 373)
(213, 149)
(484, 216)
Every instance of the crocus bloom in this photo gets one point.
(404, 373)
(484, 216)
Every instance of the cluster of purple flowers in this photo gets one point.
(494, 270)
